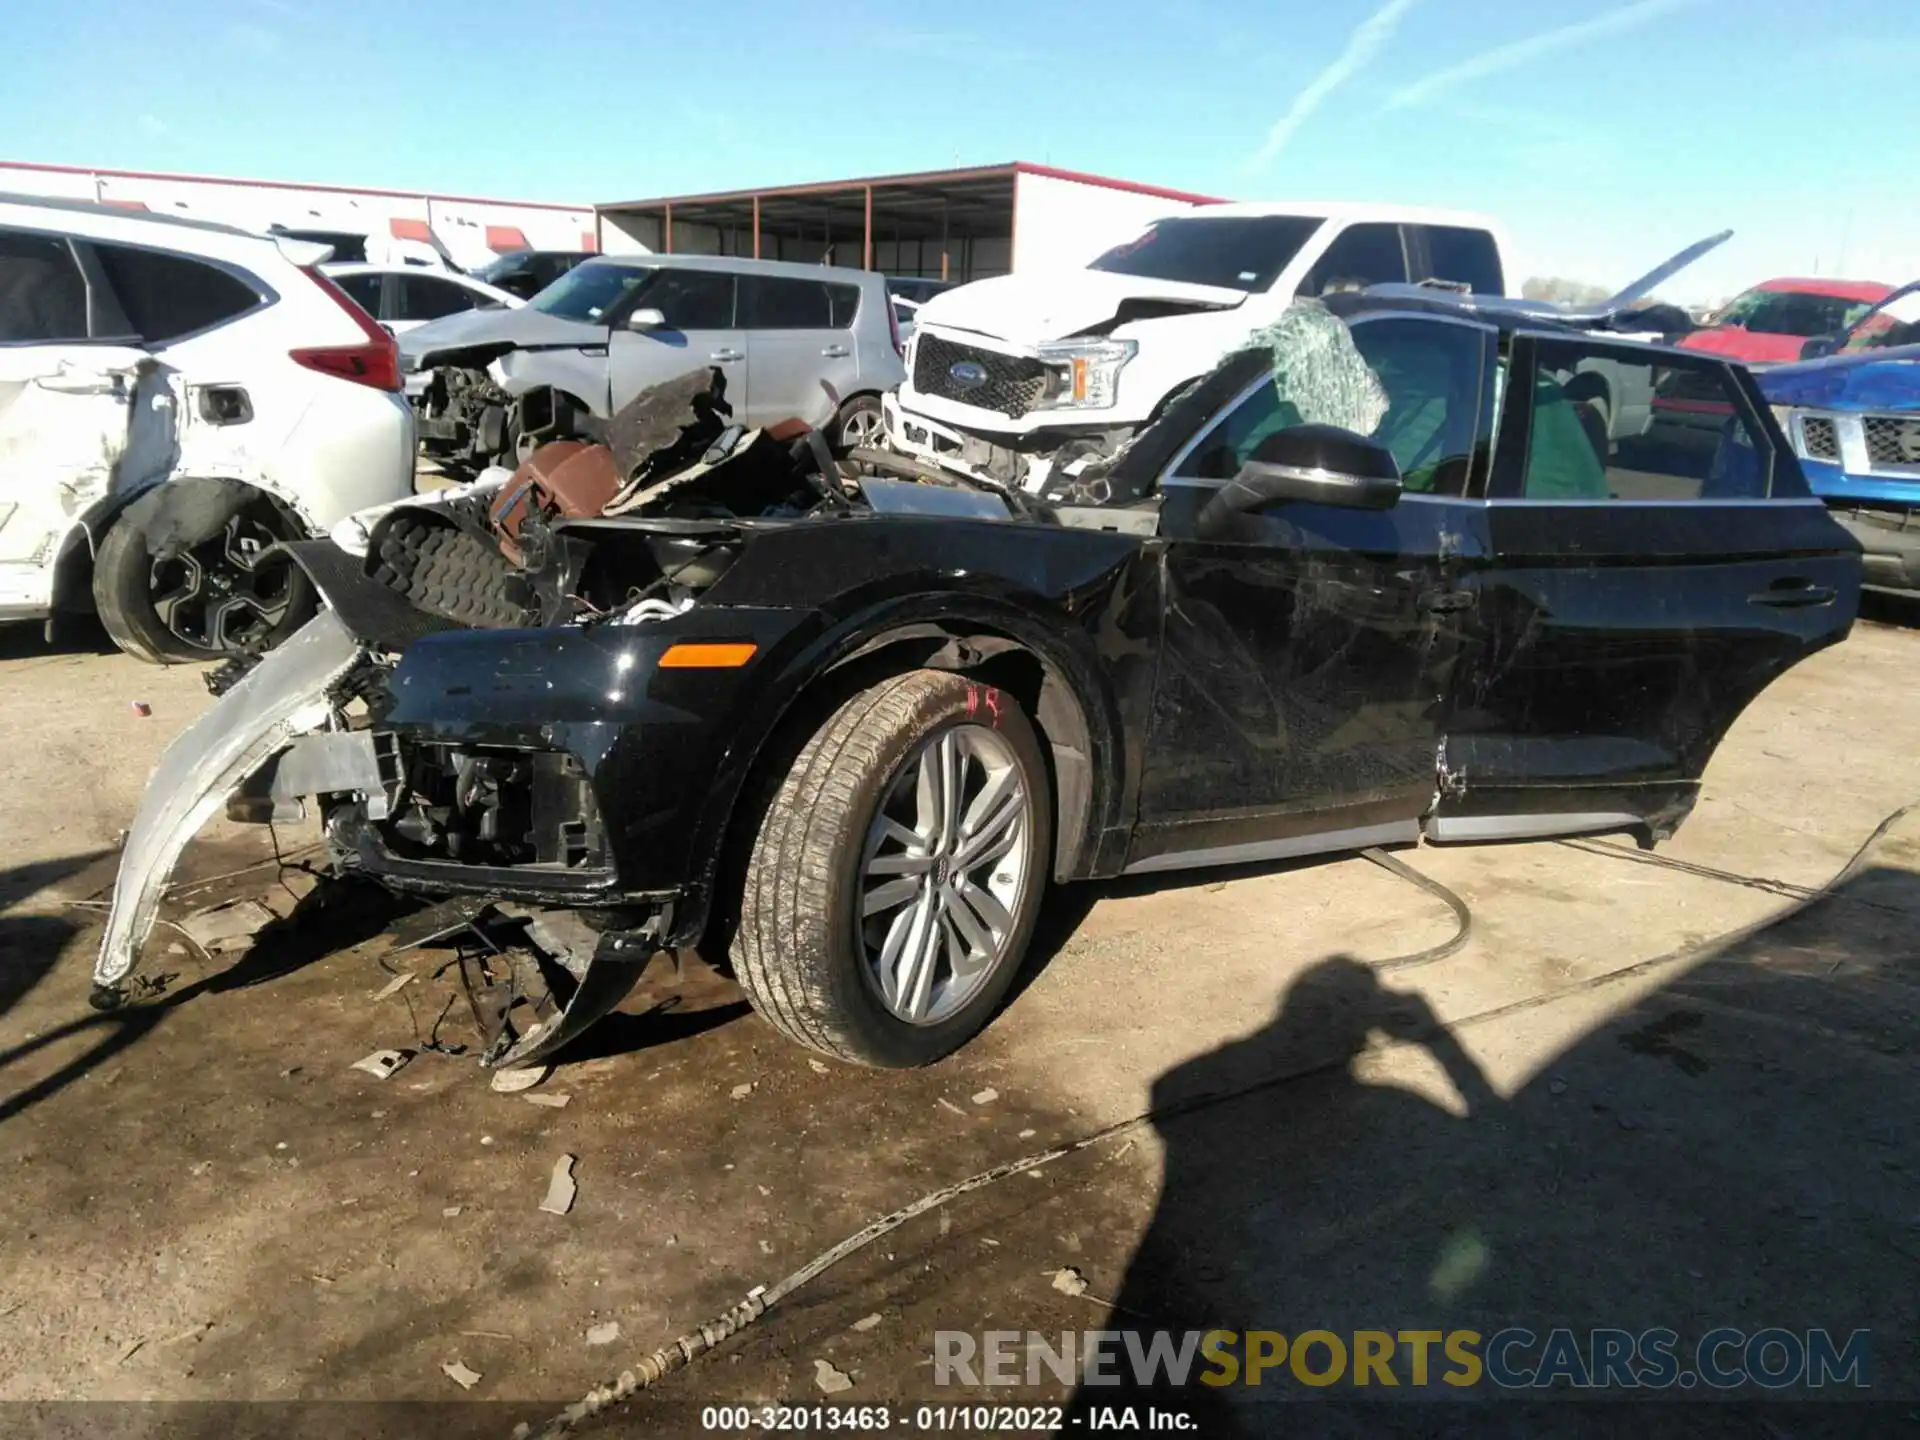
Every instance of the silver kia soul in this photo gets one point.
(809, 341)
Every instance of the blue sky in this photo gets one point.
(1605, 133)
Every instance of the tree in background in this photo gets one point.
(1563, 292)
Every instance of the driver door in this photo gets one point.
(697, 306)
(1305, 663)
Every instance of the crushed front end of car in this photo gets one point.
(520, 698)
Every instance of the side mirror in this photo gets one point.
(646, 319)
(1317, 464)
(1819, 347)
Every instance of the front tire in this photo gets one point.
(897, 872)
(220, 598)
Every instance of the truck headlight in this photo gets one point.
(1084, 374)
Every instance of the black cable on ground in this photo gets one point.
(1765, 884)
(688, 1347)
(1453, 902)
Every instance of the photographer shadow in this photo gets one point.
(1273, 1145)
(1731, 1149)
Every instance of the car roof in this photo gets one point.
(117, 215)
(375, 267)
(795, 269)
(1503, 312)
(1837, 289)
(115, 223)
(1344, 210)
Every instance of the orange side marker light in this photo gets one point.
(706, 657)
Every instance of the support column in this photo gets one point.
(866, 243)
(666, 229)
(756, 227)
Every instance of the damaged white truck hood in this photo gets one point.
(1033, 309)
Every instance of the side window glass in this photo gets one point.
(1464, 257)
(364, 291)
(427, 297)
(1361, 255)
(1607, 426)
(42, 297)
(1430, 373)
(690, 299)
(167, 296)
(844, 302)
(776, 303)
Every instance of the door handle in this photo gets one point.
(1793, 595)
(1445, 602)
(836, 352)
(727, 355)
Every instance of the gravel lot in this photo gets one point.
(1667, 1100)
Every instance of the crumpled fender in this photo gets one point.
(178, 514)
(282, 697)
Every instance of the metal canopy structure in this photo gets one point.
(947, 224)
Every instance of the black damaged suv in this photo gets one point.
(1386, 577)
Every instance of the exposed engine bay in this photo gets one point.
(489, 554)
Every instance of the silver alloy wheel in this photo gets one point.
(944, 872)
(863, 428)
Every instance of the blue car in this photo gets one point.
(1851, 407)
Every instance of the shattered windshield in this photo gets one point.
(1896, 322)
(589, 292)
(1793, 312)
(1233, 252)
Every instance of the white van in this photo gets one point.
(1005, 375)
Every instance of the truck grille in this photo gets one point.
(1820, 438)
(1893, 440)
(1013, 383)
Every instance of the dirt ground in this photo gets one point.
(1638, 1097)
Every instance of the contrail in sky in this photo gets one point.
(1365, 42)
(1516, 53)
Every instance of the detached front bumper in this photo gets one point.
(286, 695)
(559, 768)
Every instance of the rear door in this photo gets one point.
(800, 335)
(1303, 670)
(194, 315)
(80, 408)
(698, 306)
(1365, 254)
(365, 290)
(414, 299)
(1639, 593)
(1456, 255)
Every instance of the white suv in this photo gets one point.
(176, 396)
(1006, 375)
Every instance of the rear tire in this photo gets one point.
(881, 922)
(213, 601)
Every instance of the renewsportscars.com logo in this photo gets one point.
(1511, 1359)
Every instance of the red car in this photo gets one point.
(1769, 323)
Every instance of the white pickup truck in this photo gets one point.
(1010, 379)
